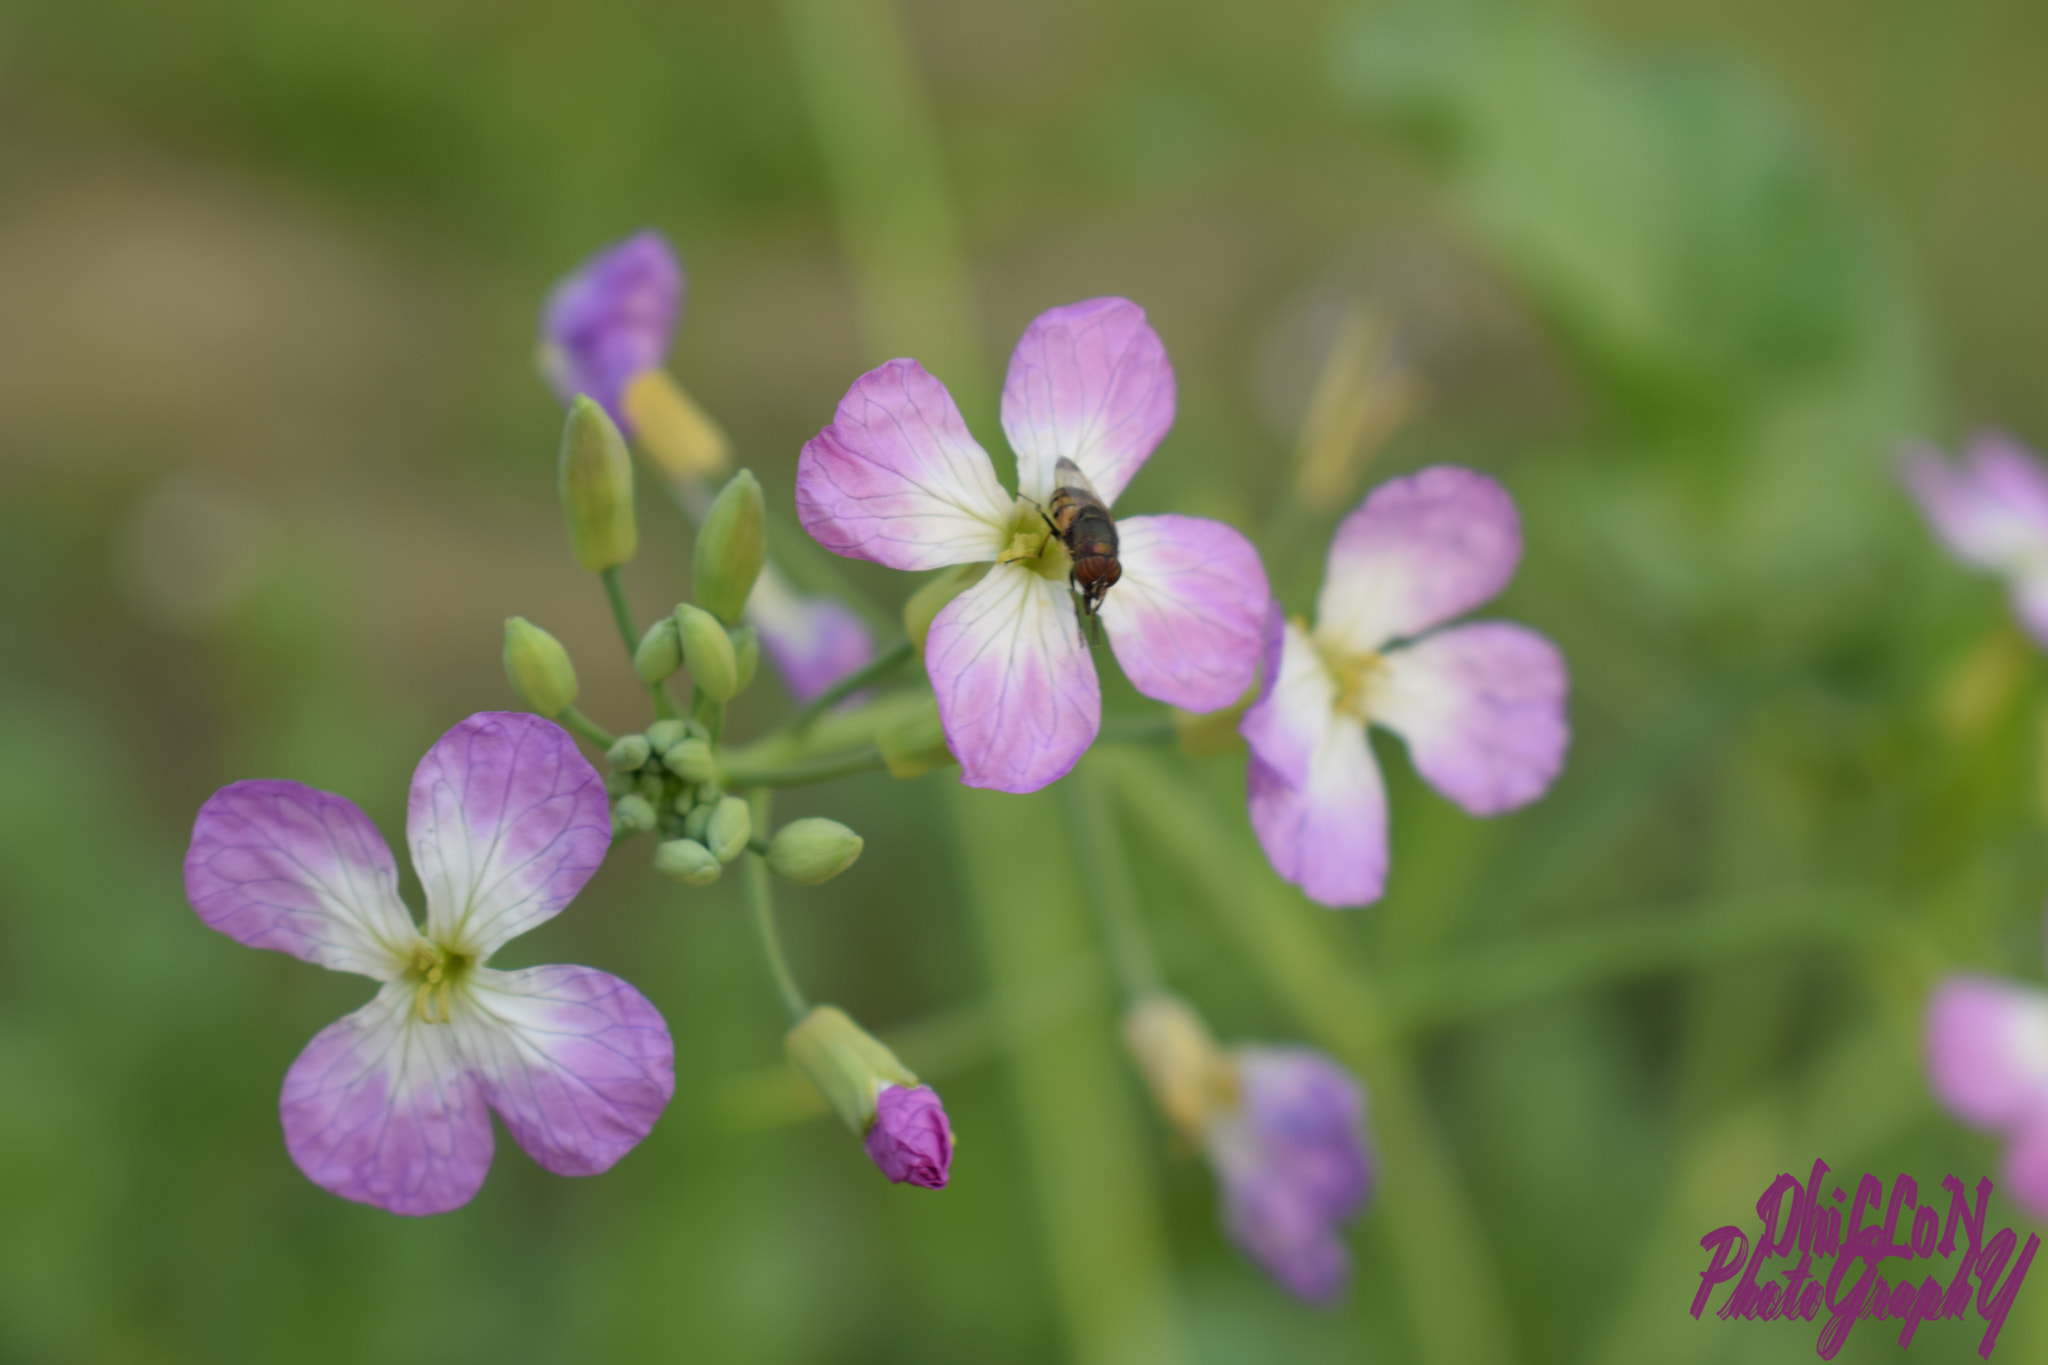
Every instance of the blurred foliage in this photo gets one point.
(274, 467)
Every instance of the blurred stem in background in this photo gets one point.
(887, 173)
(1097, 1205)
(761, 908)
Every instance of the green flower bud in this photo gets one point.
(746, 654)
(846, 1062)
(660, 652)
(708, 651)
(700, 816)
(539, 667)
(729, 828)
(689, 759)
(914, 743)
(617, 784)
(731, 547)
(632, 814)
(812, 850)
(928, 601)
(664, 734)
(597, 488)
(688, 861)
(629, 752)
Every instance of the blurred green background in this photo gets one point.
(274, 465)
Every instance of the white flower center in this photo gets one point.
(1360, 678)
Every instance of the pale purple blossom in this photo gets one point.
(1481, 705)
(609, 322)
(898, 480)
(1991, 511)
(910, 1139)
(1987, 1058)
(391, 1105)
(1294, 1165)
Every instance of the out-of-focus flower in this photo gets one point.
(1991, 511)
(1480, 705)
(1987, 1058)
(609, 321)
(391, 1105)
(605, 333)
(1284, 1130)
(902, 1124)
(896, 479)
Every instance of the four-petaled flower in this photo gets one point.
(1987, 1057)
(1481, 705)
(1991, 512)
(1294, 1164)
(387, 1106)
(896, 479)
(605, 332)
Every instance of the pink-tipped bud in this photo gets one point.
(910, 1139)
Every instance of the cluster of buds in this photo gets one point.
(665, 781)
(1282, 1127)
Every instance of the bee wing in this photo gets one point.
(1067, 474)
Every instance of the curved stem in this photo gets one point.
(761, 909)
(860, 760)
(622, 613)
(888, 661)
(583, 727)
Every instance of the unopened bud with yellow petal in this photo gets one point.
(672, 430)
(597, 488)
(1188, 1075)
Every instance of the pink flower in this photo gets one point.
(609, 321)
(812, 641)
(910, 1139)
(896, 479)
(390, 1105)
(1991, 512)
(1481, 705)
(1987, 1058)
(1294, 1165)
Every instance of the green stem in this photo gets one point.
(761, 908)
(622, 613)
(1099, 848)
(583, 727)
(800, 774)
(888, 661)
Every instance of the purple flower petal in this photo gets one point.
(1089, 381)
(1987, 1050)
(812, 641)
(1185, 619)
(507, 822)
(1274, 1220)
(576, 1062)
(910, 1139)
(1017, 692)
(1329, 837)
(379, 1109)
(1992, 510)
(1292, 717)
(1482, 709)
(280, 865)
(897, 480)
(610, 320)
(1309, 1116)
(1418, 551)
